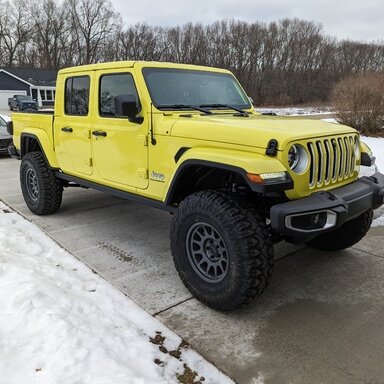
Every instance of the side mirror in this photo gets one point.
(127, 106)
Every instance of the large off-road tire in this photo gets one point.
(345, 236)
(222, 249)
(42, 191)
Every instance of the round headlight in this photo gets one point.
(293, 156)
(297, 158)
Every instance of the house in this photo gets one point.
(38, 83)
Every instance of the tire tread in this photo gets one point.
(252, 239)
(50, 188)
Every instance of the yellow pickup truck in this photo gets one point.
(186, 139)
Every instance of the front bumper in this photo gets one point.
(302, 219)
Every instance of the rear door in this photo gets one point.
(119, 147)
(73, 126)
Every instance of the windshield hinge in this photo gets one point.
(142, 139)
(143, 173)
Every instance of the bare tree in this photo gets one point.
(140, 42)
(283, 62)
(15, 29)
(92, 22)
(359, 101)
(51, 31)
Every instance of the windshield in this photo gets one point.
(179, 87)
(24, 98)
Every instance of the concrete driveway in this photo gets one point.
(320, 321)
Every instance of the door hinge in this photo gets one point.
(142, 139)
(90, 162)
(143, 173)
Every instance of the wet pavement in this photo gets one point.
(321, 320)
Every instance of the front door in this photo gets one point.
(119, 147)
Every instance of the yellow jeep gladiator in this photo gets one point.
(187, 140)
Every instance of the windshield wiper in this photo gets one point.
(224, 106)
(183, 106)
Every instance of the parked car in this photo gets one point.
(5, 137)
(22, 103)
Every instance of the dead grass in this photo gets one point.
(359, 102)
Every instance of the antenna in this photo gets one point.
(153, 140)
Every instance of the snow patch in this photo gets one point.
(294, 111)
(258, 380)
(330, 120)
(61, 323)
(379, 222)
(377, 146)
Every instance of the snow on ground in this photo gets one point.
(294, 111)
(61, 323)
(378, 222)
(377, 146)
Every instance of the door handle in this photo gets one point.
(99, 133)
(67, 129)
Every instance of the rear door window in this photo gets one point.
(77, 96)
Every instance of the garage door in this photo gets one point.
(4, 95)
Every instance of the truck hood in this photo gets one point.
(255, 130)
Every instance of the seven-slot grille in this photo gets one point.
(331, 160)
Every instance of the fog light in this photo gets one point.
(311, 221)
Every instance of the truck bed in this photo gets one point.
(39, 120)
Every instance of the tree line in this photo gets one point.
(283, 62)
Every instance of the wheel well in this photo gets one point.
(29, 144)
(195, 178)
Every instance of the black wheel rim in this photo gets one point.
(207, 252)
(32, 184)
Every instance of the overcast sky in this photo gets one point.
(360, 20)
